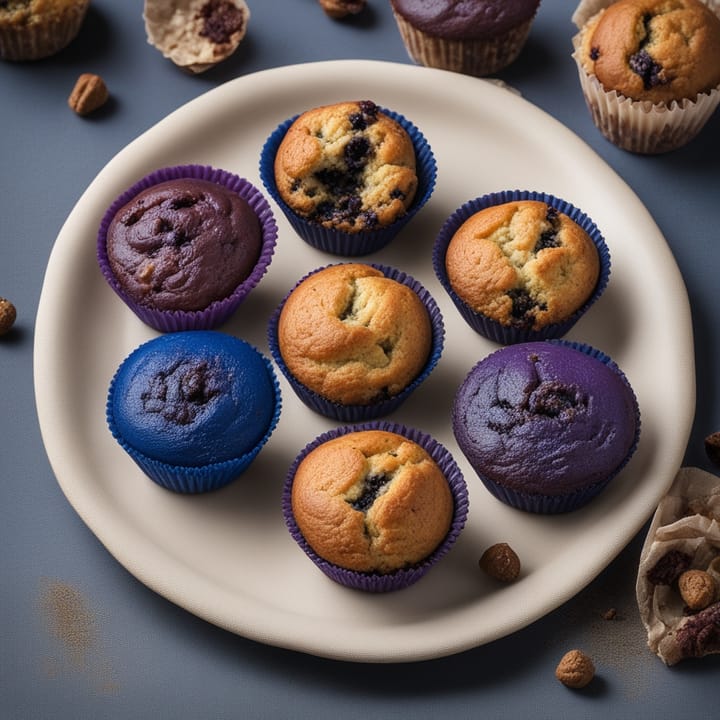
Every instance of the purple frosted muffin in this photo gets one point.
(355, 340)
(546, 425)
(375, 506)
(348, 176)
(476, 38)
(185, 245)
(194, 408)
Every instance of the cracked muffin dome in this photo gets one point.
(348, 166)
(546, 425)
(193, 408)
(371, 501)
(357, 337)
(656, 50)
(521, 269)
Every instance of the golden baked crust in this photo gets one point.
(522, 264)
(656, 50)
(353, 335)
(371, 500)
(347, 166)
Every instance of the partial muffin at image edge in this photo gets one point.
(37, 29)
(394, 496)
(649, 71)
(355, 340)
(348, 176)
(478, 38)
(194, 408)
(185, 245)
(546, 425)
(521, 266)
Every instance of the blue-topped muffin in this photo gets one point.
(193, 409)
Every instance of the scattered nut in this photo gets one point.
(575, 669)
(697, 589)
(610, 614)
(89, 93)
(712, 447)
(341, 8)
(8, 314)
(501, 562)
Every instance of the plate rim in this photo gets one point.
(46, 335)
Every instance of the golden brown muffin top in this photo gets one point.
(657, 50)
(348, 166)
(353, 335)
(371, 500)
(29, 12)
(522, 263)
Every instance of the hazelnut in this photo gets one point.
(341, 8)
(697, 589)
(575, 669)
(501, 562)
(8, 314)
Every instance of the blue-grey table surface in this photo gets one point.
(142, 656)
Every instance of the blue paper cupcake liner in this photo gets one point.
(556, 504)
(220, 310)
(188, 479)
(338, 242)
(360, 413)
(488, 327)
(372, 581)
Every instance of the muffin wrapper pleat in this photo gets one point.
(556, 504)
(220, 310)
(388, 582)
(488, 327)
(365, 242)
(361, 413)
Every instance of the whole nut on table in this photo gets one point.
(89, 94)
(341, 8)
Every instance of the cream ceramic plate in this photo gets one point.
(227, 556)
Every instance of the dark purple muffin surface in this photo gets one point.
(465, 19)
(545, 418)
(183, 244)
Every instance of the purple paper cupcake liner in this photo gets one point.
(360, 413)
(220, 310)
(556, 504)
(488, 327)
(187, 479)
(372, 581)
(338, 242)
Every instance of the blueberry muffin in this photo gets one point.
(650, 70)
(375, 506)
(546, 425)
(35, 29)
(185, 245)
(348, 166)
(194, 408)
(523, 266)
(357, 337)
(476, 38)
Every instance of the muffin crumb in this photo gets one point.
(575, 669)
(501, 562)
(712, 447)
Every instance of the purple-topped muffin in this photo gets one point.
(475, 38)
(185, 245)
(546, 425)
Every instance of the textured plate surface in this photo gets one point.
(227, 556)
